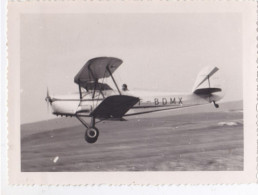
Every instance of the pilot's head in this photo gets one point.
(124, 87)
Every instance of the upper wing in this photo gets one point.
(114, 106)
(97, 68)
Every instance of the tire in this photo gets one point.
(91, 135)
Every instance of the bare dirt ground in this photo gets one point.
(194, 139)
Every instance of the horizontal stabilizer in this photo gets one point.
(114, 106)
(205, 91)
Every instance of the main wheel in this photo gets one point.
(91, 135)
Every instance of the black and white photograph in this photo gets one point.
(112, 92)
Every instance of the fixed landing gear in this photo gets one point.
(215, 104)
(91, 133)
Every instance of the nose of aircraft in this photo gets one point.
(48, 99)
(62, 105)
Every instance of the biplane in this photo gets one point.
(98, 101)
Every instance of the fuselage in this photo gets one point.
(150, 101)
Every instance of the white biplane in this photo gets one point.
(98, 100)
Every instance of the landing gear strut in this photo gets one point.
(215, 104)
(91, 133)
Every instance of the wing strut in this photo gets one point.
(113, 80)
(95, 84)
(80, 90)
(209, 81)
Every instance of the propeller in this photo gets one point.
(48, 100)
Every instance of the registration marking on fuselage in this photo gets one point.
(162, 101)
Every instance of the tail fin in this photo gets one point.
(203, 85)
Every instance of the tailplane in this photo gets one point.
(203, 84)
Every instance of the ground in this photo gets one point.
(192, 139)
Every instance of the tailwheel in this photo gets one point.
(91, 135)
(215, 104)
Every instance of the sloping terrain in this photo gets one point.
(193, 139)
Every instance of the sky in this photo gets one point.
(160, 52)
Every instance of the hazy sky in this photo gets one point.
(160, 52)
